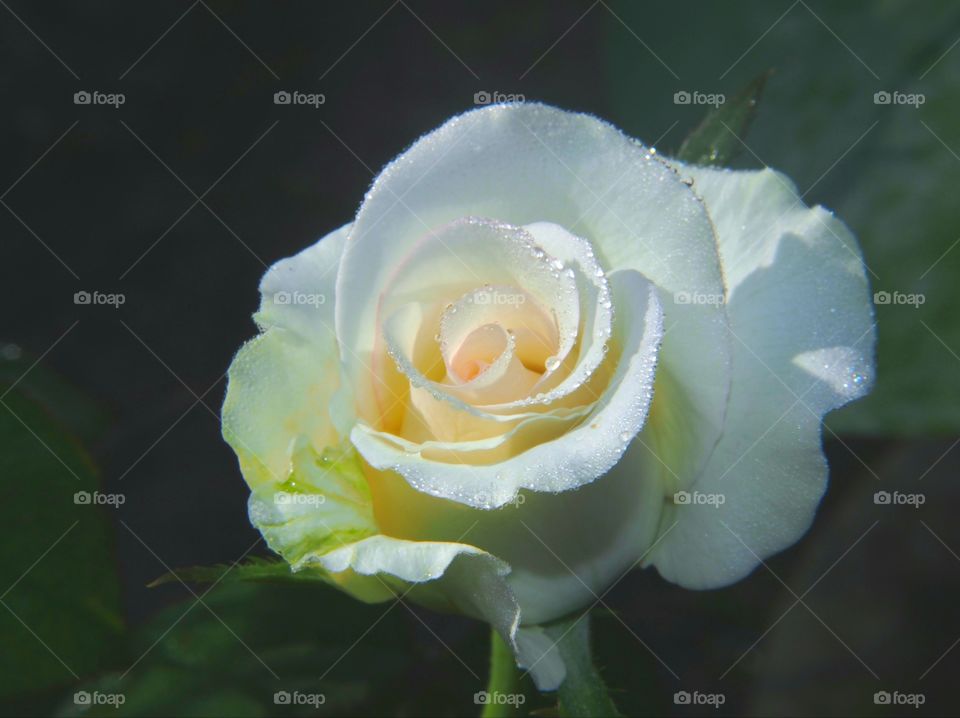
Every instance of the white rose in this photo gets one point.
(545, 355)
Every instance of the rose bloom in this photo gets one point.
(539, 356)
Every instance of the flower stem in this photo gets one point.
(504, 680)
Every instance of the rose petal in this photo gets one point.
(280, 383)
(565, 549)
(798, 294)
(279, 386)
(532, 163)
(298, 292)
(444, 576)
(321, 518)
(443, 266)
(579, 456)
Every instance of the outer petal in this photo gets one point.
(280, 383)
(298, 292)
(803, 344)
(564, 549)
(446, 577)
(279, 387)
(321, 518)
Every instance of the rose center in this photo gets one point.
(478, 351)
(495, 331)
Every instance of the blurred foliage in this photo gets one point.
(245, 643)
(72, 408)
(884, 169)
(61, 598)
(253, 569)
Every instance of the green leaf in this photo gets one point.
(718, 138)
(75, 410)
(232, 653)
(60, 618)
(583, 692)
(254, 569)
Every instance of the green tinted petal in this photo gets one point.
(323, 505)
